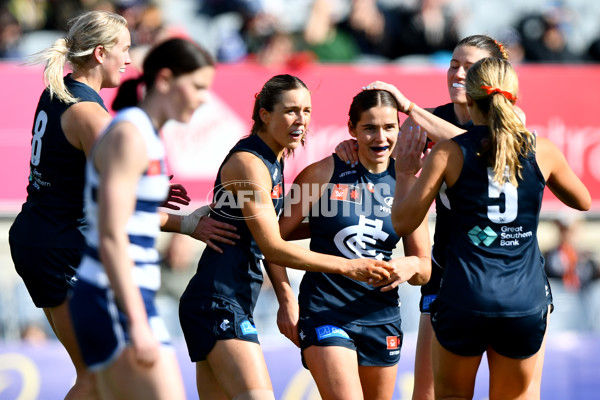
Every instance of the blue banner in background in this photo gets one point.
(43, 372)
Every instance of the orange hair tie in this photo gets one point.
(493, 90)
(500, 46)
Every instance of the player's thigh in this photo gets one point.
(453, 375)
(206, 382)
(509, 377)
(378, 382)
(60, 319)
(239, 366)
(335, 371)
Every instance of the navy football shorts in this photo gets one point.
(48, 273)
(101, 327)
(470, 335)
(375, 345)
(204, 321)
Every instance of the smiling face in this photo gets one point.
(115, 59)
(462, 59)
(376, 133)
(285, 126)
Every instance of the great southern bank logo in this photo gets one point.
(485, 236)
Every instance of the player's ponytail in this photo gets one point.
(493, 84)
(86, 32)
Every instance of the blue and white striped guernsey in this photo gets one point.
(143, 226)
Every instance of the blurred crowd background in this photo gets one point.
(296, 33)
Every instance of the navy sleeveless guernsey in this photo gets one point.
(236, 275)
(352, 219)
(52, 215)
(494, 266)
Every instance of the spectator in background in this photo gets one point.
(511, 39)
(30, 14)
(145, 21)
(566, 261)
(266, 32)
(573, 272)
(335, 37)
(245, 33)
(429, 28)
(280, 50)
(593, 51)
(544, 37)
(59, 12)
(10, 34)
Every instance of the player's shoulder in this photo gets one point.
(317, 172)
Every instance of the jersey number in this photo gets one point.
(511, 203)
(39, 128)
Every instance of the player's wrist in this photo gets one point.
(190, 222)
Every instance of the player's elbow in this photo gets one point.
(402, 226)
(274, 253)
(586, 203)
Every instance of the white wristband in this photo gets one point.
(189, 222)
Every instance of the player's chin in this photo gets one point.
(293, 145)
(185, 116)
(458, 96)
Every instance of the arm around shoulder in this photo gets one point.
(304, 192)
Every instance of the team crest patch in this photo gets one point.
(392, 342)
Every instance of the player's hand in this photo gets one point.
(409, 150)
(177, 195)
(145, 346)
(199, 225)
(401, 99)
(368, 270)
(404, 269)
(288, 315)
(347, 151)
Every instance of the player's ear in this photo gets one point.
(351, 129)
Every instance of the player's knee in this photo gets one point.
(256, 394)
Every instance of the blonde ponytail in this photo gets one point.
(493, 84)
(87, 31)
(55, 58)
